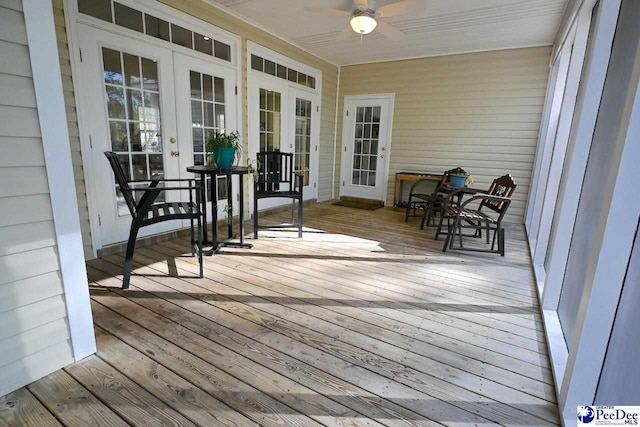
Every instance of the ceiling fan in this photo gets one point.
(365, 19)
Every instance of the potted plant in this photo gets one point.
(458, 180)
(225, 148)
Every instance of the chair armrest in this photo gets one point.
(189, 187)
(502, 199)
(138, 181)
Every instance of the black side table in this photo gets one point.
(203, 171)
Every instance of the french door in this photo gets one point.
(154, 107)
(204, 97)
(284, 118)
(365, 152)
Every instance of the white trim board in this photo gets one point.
(45, 65)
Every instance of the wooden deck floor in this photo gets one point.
(363, 322)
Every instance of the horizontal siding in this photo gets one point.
(34, 338)
(72, 124)
(480, 111)
(34, 366)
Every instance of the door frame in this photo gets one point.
(73, 18)
(112, 225)
(346, 135)
(254, 78)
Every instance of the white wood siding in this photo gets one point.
(480, 111)
(34, 339)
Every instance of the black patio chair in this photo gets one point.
(497, 200)
(146, 212)
(276, 178)
(430, 203)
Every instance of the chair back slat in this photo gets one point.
(121, 180)
(274, 169)
(502, 187)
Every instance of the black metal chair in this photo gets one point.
(145, 212)
(497, 199)
(276, 178)
(431, 203)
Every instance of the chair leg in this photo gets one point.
(193, 238)
(501, 241)
(439, 226)
(446, 241)
(128, 258)
(406, 211)
(300, 218)
(495, 236)
(200, 247)
(255, 218)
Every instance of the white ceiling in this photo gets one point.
(445, 27)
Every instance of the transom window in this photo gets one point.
(266, 66)
(128, 17)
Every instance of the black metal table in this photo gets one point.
(203, 171)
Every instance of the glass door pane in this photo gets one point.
(207, 96)
(366, 144)
(270, 131)
(132, 95)
(302, 160)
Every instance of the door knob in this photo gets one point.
(172, 140)
(175, 154)
(383, 148)
(290, 145)
(382, 157)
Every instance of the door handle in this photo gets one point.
(175, 154)
(172, 140)
(382, 157)
(383, 148)
(290, 145)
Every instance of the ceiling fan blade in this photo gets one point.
(344, 34)
(390, 31)
(361, 4)
(402, 8)
(328, 11)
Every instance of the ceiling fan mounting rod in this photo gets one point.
(364, 12)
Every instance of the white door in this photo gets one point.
(128, 106)
(366, 140)
(205, 104)
(304, 118)
(268, 127)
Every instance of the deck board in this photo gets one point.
(363, 322)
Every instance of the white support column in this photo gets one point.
(47, 79)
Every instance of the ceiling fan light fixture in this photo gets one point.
(363, 24)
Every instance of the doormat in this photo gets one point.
(370, 205)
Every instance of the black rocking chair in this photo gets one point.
(144, 212)
(276, 178)
(496, 199)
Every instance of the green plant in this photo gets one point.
(220, 140)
